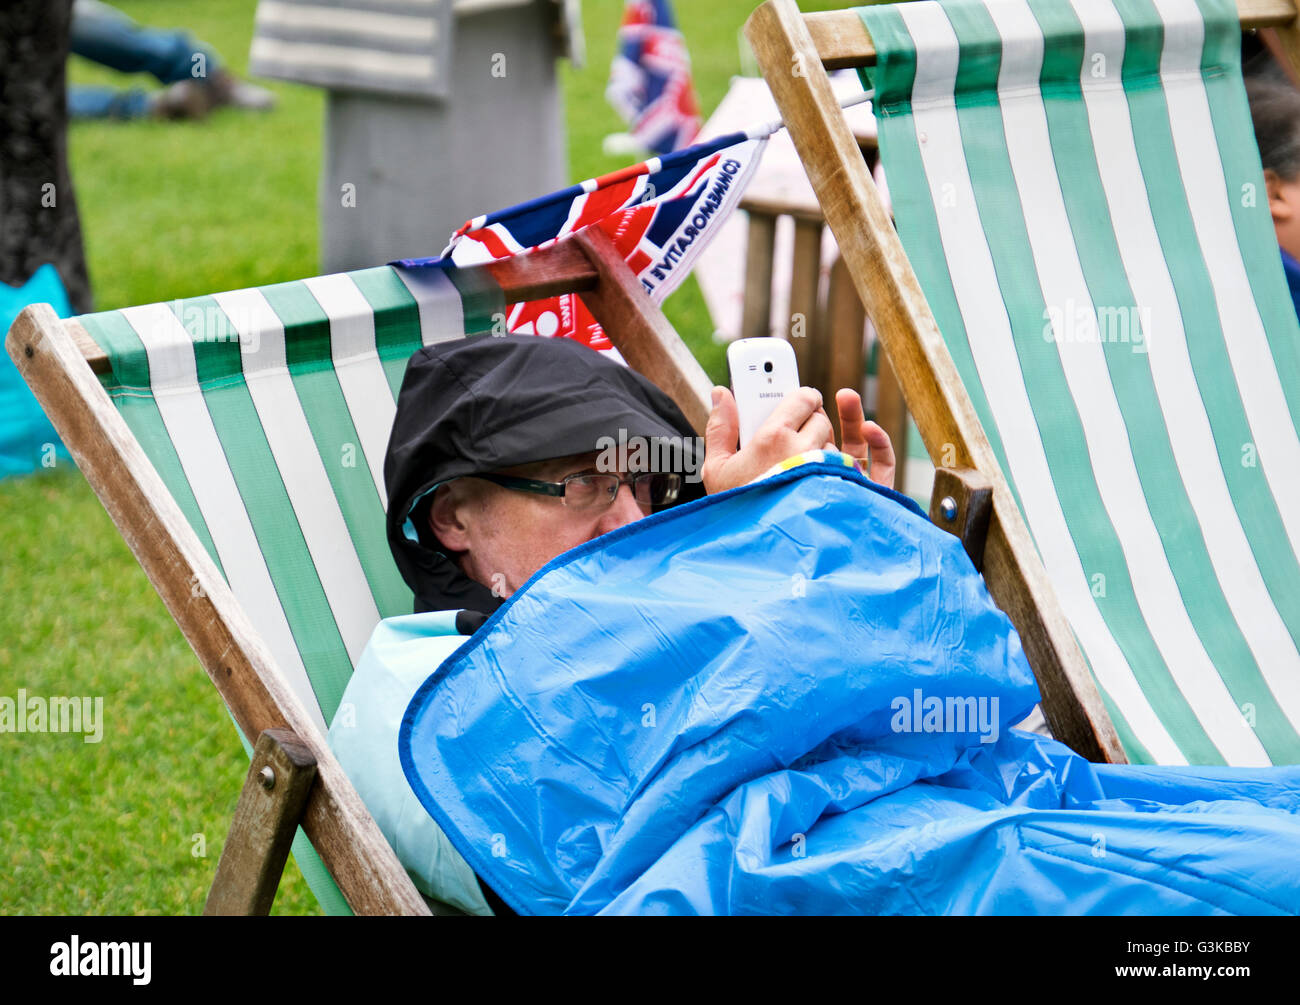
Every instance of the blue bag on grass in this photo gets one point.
(27, 438)
(797, 697)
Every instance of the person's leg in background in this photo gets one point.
(91, 101)
(105, 35)
(198, 80)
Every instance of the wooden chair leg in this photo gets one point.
(1283, 44)
(756, 316)
(806, 334)
(270, 807)
(962, 504)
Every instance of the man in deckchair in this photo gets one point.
(488, 431)
(792, 695)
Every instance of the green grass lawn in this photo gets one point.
(135, 823)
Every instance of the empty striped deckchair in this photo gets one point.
(238, 443)
(1098, 321)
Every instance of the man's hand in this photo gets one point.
(866, 442)
(797, 425)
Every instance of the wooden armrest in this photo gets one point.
(962, 503)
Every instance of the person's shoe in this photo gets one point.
(182, 100)
(224, 88)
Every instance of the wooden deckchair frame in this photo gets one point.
(294, 779)
(794, 51)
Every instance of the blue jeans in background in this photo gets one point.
(106, 36)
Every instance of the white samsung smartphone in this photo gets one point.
(763, 371)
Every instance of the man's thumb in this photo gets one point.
(722, 434)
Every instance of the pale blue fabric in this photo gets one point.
(400, 656)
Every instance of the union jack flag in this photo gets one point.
(650, 78)
(659, 214)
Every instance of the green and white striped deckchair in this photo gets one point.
(1098, 321)
(238, 443)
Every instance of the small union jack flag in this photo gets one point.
(650, 78)
(659, 214)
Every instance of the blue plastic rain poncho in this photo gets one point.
(796, 697)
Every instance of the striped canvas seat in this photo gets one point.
(1078, 189)
(267, 413)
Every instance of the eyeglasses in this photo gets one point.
(592, 491)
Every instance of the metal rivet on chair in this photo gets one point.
(948, 507)
(268, 777)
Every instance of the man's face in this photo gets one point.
(505, 535)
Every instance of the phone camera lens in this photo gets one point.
(767, 367)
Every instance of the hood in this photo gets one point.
(477, 404)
